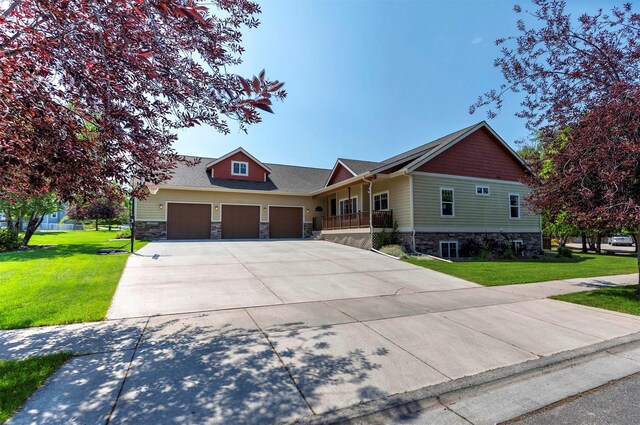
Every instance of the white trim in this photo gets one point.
(519, 206)
(344, 199)
(483, 187)
(286, 206)
(472, 179)
(448, 242)
(453, 202)
(388, 200)
(233, 152)
(462, 229)
(239, 167)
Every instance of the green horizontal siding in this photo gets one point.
(399, 197)
(472, 212)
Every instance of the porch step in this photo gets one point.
(316, 234)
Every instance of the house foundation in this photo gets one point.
(429, 243)
(151, 230)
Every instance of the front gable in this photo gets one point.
(238, 165)
(340, 173)
(480, 154)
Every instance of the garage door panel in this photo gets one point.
(285, 222)
(240, 222)
(188, 221)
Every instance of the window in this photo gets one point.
(446, 203)
(448, 249)
(54, 215)
(483, 190)
(239, 168)
(347, 207)
(517, 246)
(514, 205)
(381, 201)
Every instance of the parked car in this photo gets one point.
(620, 240)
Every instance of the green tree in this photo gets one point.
(18, 210)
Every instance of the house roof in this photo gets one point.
(305, 180)
(283, 178)
(358, 166)
(427, 147)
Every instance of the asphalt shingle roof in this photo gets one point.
(421, 150)
(283, 178)
(294, 179)
(358, 166)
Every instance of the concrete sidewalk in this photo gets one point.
(513, 397)
(280, 363)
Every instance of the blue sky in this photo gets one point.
(369, 79)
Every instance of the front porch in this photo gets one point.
(358, 220)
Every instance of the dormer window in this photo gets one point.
(239, 168)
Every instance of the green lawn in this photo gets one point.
(622, 299)
(508, 272)
(20, 378)
(65, 283)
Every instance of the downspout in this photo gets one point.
(411, 212)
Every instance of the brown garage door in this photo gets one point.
(188, 221)
(240, 222)
(285, 222)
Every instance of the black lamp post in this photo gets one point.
(132, 221)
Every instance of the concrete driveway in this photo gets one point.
(269, 332)
(183, 277)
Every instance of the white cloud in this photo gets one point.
(476, 40)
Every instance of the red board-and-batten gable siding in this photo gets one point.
(340, 174)
(222, 170)
(479, 155)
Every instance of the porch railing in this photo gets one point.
(380, 219)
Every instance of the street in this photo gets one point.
(610, 404)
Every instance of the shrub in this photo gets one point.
(383, 238)
(508, 251)
(8, 240)
(395, 250)
(125, 234)
(565, 252)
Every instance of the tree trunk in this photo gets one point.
(32, 225)
(598, 244)
(109, 226)
(635, 243)
(583, 236)
(96, 225)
